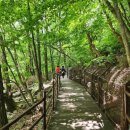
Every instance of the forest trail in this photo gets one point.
(76, 110)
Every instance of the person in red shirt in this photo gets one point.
(57, 70)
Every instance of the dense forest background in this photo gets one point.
(38, 35)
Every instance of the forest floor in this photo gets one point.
(25, 122)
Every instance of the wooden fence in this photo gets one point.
(48, 101)
(96, 81)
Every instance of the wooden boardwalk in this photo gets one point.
(76, 110)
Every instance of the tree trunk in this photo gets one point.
(11, 106)
(20, 76)
(92, 46)
(35, 58)
(124, 33)
(59, 54)
(39, 60)
(34, 46)
(126, 19)
(119, 38)
(52, 61)
(116, 12)
(31, 63)
(3, 115)
(11, 102)
(65, 60)
(126, 44)
(17, 84)
(128, 4)
(59, 58)
(5, 68)
(46, 62)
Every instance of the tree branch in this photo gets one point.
(61, 51)
(125, 15)
(111, 8)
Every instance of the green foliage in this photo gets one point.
(62, 25)
(104, 59)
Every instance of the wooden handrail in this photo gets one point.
(21, 115)
(36, 122)
(127, 108)
(52, 100)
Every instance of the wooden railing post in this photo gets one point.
(44, 107)
(99, 87)
(123, 111)
(84, 75)
(92, 87)
(100, 84)
(59, 82)
(57, 79)
(53, 92)
(126, 104)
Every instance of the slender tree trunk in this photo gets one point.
(116, 12)
(65, 60)
(11, 106)
(59, 30)
(46, 62)
(8, 80)
(124, 33)
(39, 60)
(52, 61)
(113, 29)
(17, 84)
(59, 58)
(126, 19)
(36, 59)
(15, 54)
(3, 115)
(31, 64)
(5, 68)
(59, 53)
(34, 46)
(20, 76)
(128, 4)
(46, 49)
(5, 72)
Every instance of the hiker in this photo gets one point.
(63, 71)
(57, 70)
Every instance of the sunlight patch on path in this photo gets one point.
(85, 125)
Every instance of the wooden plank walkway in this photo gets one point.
(76, 110)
